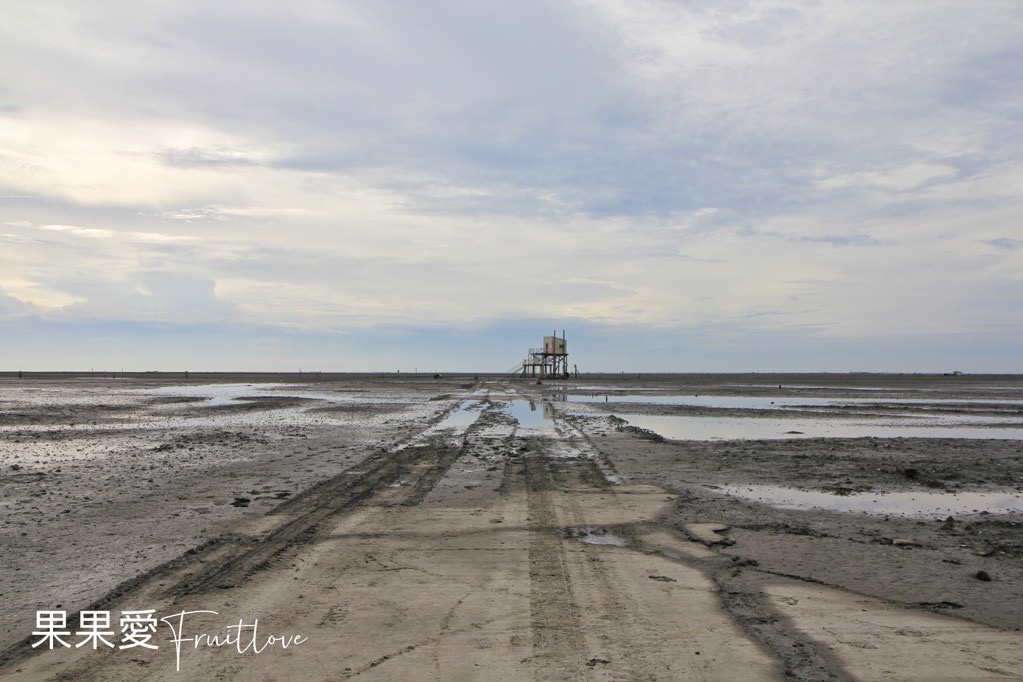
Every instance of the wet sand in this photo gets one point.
(444, 529)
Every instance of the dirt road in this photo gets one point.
(491, 546)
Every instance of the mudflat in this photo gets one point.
(709, 527)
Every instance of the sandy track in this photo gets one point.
(499, 553)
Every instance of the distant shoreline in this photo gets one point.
(846, 378)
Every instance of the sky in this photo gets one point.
(403, 185)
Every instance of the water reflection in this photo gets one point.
(466, 414)
(214, 395)
(530, 414)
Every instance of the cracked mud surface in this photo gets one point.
(417, 528)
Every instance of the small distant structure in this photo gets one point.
(549, 361)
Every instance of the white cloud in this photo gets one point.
(221, 213)
(897, 179)
(90, 232)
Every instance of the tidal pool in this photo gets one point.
(753, 428)
(779, 402)
(226, 394)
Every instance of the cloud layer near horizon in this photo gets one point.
(758, 181)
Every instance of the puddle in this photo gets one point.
(910, 504)
(227, 394)
(532, 415)
(452, 428)
(595, 536)
(214, 394)
(612, 389)
(707, 428)
(466, 414)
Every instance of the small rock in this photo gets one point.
(905, 542)
(662, 578)
(982, 575)
(593, 662)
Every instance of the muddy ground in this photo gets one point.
(494, 548)
(103, 480)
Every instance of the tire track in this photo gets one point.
(227, 561)
(558, 642)
(333, 497)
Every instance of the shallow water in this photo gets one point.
(227, 394)
(753, 428)
(466, 414)
(779, 402)
(915, 504)
(533, 415)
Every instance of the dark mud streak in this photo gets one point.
(445, 457)
(574, 433)
(802, 659)
(746, 603)
(554, 614)
(743, 599)
(511, 477)
(582, 472)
